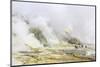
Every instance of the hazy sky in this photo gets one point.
(80, 19)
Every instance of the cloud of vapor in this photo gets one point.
(80, 20)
